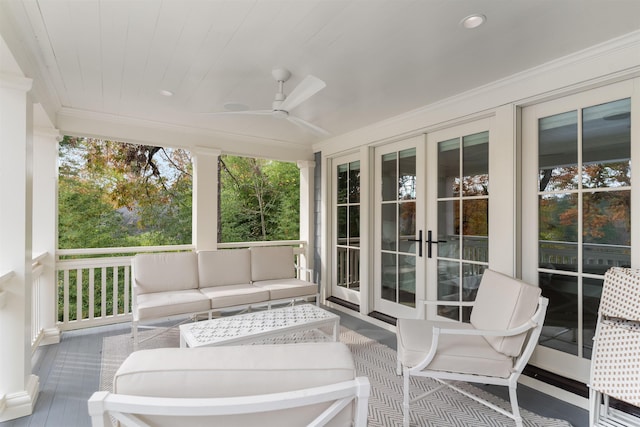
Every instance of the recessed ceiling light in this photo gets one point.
(235, 106)
(473, 21)
(165, 92)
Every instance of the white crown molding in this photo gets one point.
(605, 63)
(16, 82)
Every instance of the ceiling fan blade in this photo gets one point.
(306, 89)
(308, 126)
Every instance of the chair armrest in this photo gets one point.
(309, 271)
(529, 324)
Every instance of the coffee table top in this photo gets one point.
(255, 324)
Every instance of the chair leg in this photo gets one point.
(405, 402)
(515, 409)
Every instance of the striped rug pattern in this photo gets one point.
(445, 408)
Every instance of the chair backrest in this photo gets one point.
(504, 302)
(621, 294)
(161, 272)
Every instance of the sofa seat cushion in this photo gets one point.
(224, 267)
(287, 288)
(169, 303)
(232, 371)
(473, 355)
(171, 271)
(233, 295)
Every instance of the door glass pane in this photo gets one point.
(354, 269)
(606, 144)
(558, 231)
(342, 225)
(407, 280)
(342, 183)
(354, 225)
(354, 182)
(560, 330)
(389, 227)
(407, 175)
(449, 168)
(389, 276)
(448, 288)
(475, 164)
(475, 230)
(407, 227)
(471, 276)
(389, 177)
(448, 229)
(342, 267)
(558, 152)
(606, 230)
(591, 292)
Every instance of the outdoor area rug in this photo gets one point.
(445, 408)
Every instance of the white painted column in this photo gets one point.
(18, 388)
(306, 209)
(45, 235)
(205, 198)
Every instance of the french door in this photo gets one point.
(346, 223)
(577, 213)
(399, 217)
(431, 219)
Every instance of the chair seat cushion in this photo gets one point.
(288, 288)
(467, 354)
(168, 303)
(232, 295)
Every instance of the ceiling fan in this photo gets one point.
(283, 104)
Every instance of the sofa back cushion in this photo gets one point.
(504, 302)
(235, 371)
(171, 271)
(273, 262)
(224, 267)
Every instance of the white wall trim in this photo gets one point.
(20, 404)
(14, 81)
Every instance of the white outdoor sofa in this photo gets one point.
(255, 385)
(173, 284)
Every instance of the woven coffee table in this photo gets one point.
(251, 327)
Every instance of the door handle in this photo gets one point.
(419, 239)
(430, 241)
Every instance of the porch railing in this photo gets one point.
(94, 285)
(37, 300)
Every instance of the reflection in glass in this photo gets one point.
(407, 280)
(471, 277)
(558, 231)
(448, 229)
(342, 183)
(475, 164)
(448, 289)
(407, 175)
(342, 267)
(389, 177)
(354, 225)
(407, 226)
(561, 323)
(606, 230)
(449, 168)
(389, 227)
(354, 182)
(389, 276)
(606, 145)
(342, 225)
(475, 230)
(591, 292)
(558, 152)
